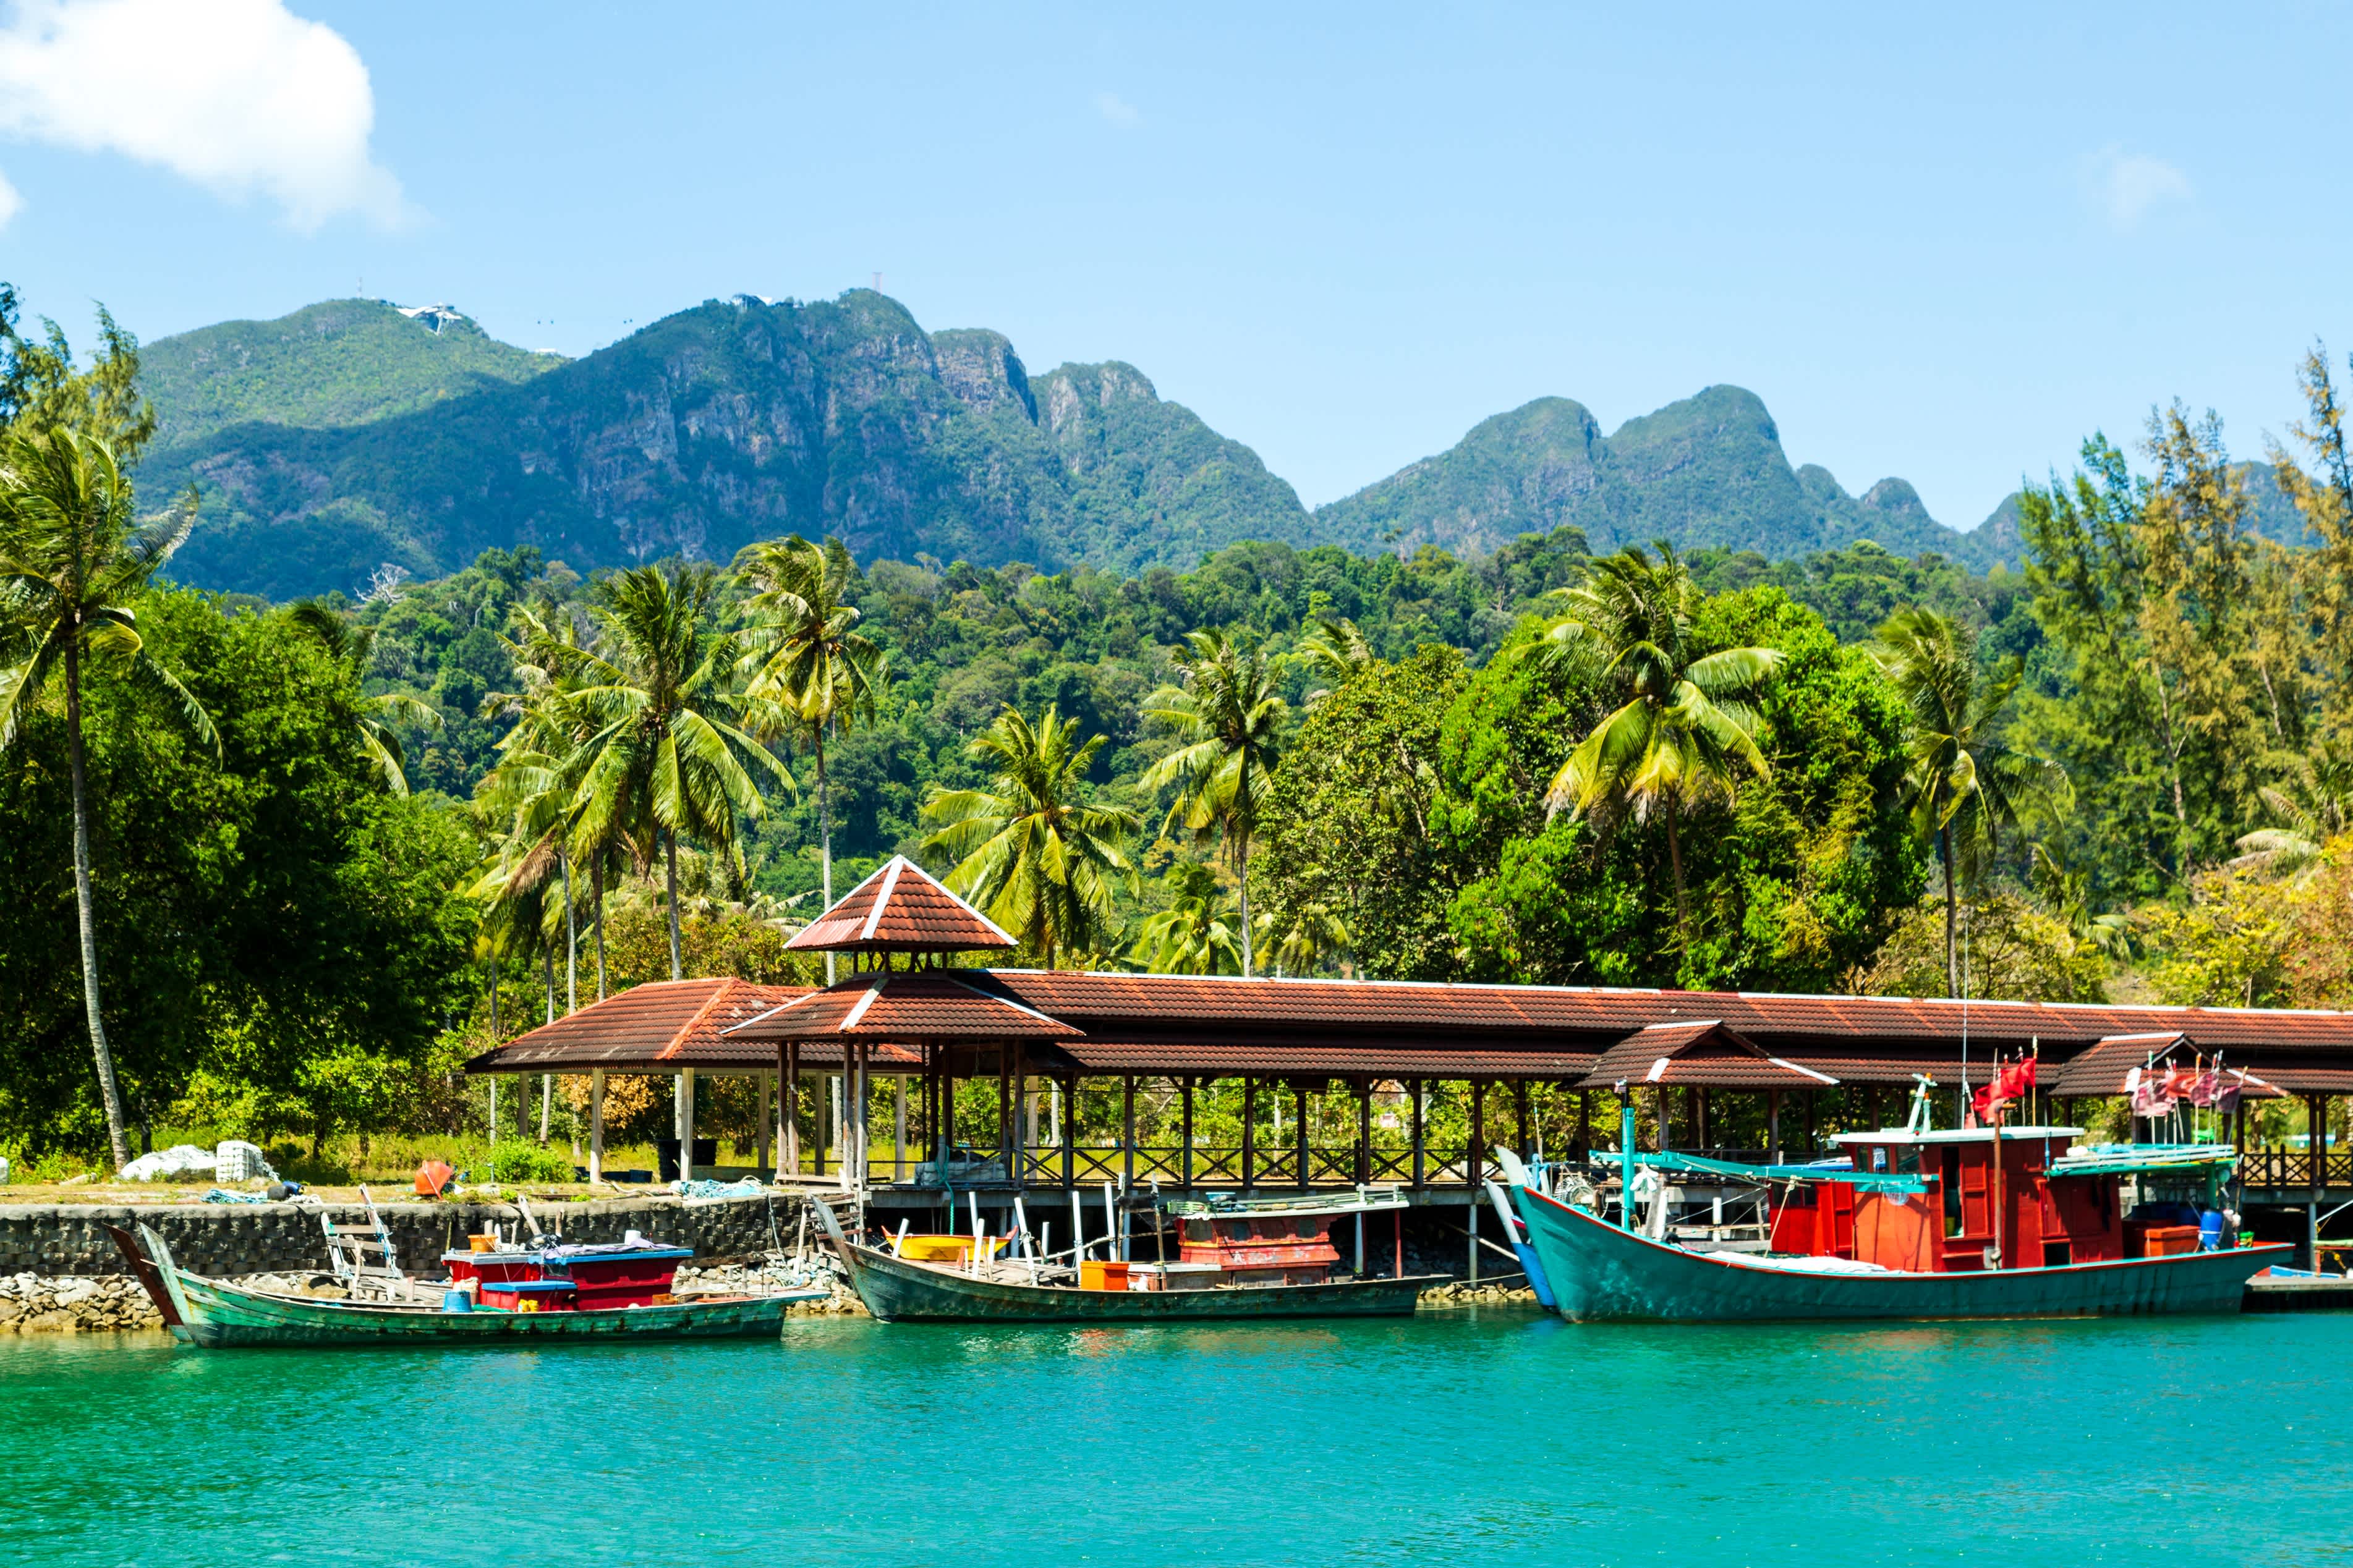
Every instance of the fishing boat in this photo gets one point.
(218, 1314)
(1910, 1223)
(1238, 1260)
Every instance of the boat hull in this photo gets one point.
(217, 1316)
(1601, 1273)
(899, 1291)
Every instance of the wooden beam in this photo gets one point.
(1299, 1119)
(1520, 1095)
(1474, 1160)
(1249, 1130)
(1126, 1127)
(1187, 1154)
(1413, 1088)
(1364, 1130)
(1070, 1129)
(791, 1052)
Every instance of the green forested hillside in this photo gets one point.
(338, 363)
(1707, 472)
(347, 437)
(734, 421)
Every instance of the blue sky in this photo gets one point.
(1941, 249)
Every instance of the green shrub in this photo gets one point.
(521, 1161)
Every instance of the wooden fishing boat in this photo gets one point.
(1991, 1222)
(1009, 1289)
(1599, 1271)
(214, 1314)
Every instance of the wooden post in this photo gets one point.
(1249, 1133)
(1413, 1087)
(821, 1108)
(898, 1128)
(686, 1124)
(1772, 1126)
(1364, 1130)
(1813, 1098)
(1005, 1111)
(1187, 1157)
(946, 1129)
(596, 1125)
(1527, 1143)
(789, 1054)
(1472, 1230)
(760, 1126)
(1584, 1144)
(1299, 1105)
(1126, 1128)
(1474, 1160)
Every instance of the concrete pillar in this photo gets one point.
(899, 1129)
(686, 1124)
(760, 1126)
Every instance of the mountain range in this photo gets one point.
(352, 435)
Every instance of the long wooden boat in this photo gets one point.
(214, 1314)
(1599, 1271)
(901, 1289)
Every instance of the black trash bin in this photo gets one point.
(706, 1154)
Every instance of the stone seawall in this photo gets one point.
(69, 1240)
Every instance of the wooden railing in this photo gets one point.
(2295, 1168)
(1217, 1164)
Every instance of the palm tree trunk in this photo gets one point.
(597, 916)
(107, 1090)
(825, 834)
(1952, 910)
(1241, 853)
(1675, 860)
(571, 950)
(669, 855)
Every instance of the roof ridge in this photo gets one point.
(710, 1004)
(883, 896)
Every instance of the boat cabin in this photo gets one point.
(1269, 1241)
(1973, 1198)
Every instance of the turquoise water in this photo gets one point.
(1499, 1437)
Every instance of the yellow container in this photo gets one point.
(1095, 1275)
(482, 1243)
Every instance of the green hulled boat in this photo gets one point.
(900, 1289)
(216, 1315)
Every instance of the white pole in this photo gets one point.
(899, 1130)
(596, 1125)
(1111, 1224)
(979, 1235)
(1078, 1230)
(686, 1124)
(1360, 1243)
(1022, 1221)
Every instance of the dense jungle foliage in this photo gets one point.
(410, 824)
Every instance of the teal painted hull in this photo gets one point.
(1601, 1273)
(218, 1316)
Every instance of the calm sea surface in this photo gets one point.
(1497, 1437)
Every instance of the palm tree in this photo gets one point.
(1687, 727)
(74, 559)
(1194, 935)
(1228, 720)
(353, 647)
(807, 656)
(1033, 855)
(2316, 806)
(1967, 784)
(665, 754)
(1336, 651)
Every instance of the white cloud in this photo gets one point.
(2126, 187)
(1116, 109)
(10, 202)
(239, 96)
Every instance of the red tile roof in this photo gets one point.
(921, 1004)
(1702, 1052)
(660, 1026)
(1604, 1015)
(900, 908)
(1231, 1056)
(2100, 1068)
